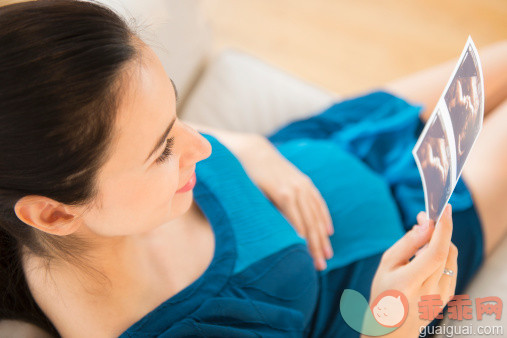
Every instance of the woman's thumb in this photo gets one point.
(406, 247)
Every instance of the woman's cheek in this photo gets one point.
(165, 183)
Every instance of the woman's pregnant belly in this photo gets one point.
(364, 213)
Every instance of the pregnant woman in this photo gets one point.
(120, 219)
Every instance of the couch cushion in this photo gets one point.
(239, 92)
(176, 30)
(491, 280)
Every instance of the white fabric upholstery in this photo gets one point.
(239, 92)
(491, 280)
(176, 30)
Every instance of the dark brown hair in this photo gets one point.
(60, 65)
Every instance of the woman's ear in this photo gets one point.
(46, 215)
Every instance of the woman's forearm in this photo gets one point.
(236, 142)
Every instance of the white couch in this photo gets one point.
(237, 91)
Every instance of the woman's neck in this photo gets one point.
(127, 276)
(116, 260)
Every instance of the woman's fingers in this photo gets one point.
(421, 249)
(322, 227)
(324, 211)
(401, 251)
(422, 217)
(446, 283)
(433, 280)
(301, 209)
(290, 210)
(431, 258)
(314, 240)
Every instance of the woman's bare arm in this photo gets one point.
(290, 190)
(236, 142)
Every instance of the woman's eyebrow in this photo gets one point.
(163, 137)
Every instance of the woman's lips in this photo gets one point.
(189, 185)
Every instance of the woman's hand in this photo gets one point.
(423, 275)
(292, 192)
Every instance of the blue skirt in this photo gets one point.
(381, 129)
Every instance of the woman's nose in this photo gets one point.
(194, 146)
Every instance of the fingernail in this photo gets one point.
(329, 251)
(322, 263)
(425, 224)
(421, 227)
(426, 218)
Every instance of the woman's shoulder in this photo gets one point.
(58, 299)
(63, 294)
(225, 191)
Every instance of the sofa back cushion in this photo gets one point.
(177, 31)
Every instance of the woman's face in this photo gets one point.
(137, 188)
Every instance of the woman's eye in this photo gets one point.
(167, 151)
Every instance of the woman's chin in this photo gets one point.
(182, 202)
